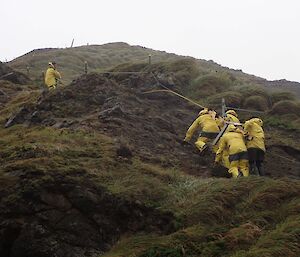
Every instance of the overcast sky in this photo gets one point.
(261, 37)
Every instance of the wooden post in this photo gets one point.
(223, 107)
(149, 59)
(85, 67)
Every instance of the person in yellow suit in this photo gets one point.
(255, 144)
(209, 129)
(231, 116)
(52, 76)
(233, 142)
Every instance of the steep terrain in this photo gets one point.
(97, 168)
(101, 57)
(148, 125)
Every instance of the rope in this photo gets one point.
(173, 92)
(166, 89)
(6, 75)
(285, 158)
(243, 110)
(122, 72)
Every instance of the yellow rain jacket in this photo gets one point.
(231, 118)
(206, 123)
(233, 142)
(225, 154)
(255, 134)
(51, 77)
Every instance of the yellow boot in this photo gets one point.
(201, 143)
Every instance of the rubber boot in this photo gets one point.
(240, 174)
(261, 170)
(252, 168)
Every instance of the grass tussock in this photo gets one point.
(227, 218)
(286, 107)
(256, 102)
(208, 85)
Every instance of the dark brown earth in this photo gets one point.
(7, 73)
(148, 125)
(60, 217)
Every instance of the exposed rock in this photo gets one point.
(63, 218)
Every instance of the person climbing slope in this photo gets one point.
(52, 76)
(255, 142)
(233, 142)
(231, 116)
(209, 129)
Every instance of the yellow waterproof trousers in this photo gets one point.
(201, 143)
(239, 165)
(225, 159)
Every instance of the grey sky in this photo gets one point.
(261, 37)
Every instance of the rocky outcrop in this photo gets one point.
(61, 217)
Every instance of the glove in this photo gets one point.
(249, 138)
(184, 143)
(218, 159)
(186, 139)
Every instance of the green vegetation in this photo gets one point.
(70, 61)
(208, 85)
(212, 217)
(282, 95)
(256, 102)
(227, 218)
(286, 107)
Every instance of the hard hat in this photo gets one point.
(258, 121)
(231, 128)
(232, 112)
(202, 112)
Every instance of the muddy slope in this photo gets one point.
(7, 73)
(58, 216)
(148, 125)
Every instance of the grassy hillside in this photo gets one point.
(43, 168)
(71, 60)
(97, 168)
(102, 57)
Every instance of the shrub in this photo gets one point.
(256, 102)
(286, 107)
(162, 252)
(296, 123)
(208, 85)
(251, 90)
(185, 70)
(130, 67)
(232, 98)
(279, 96)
